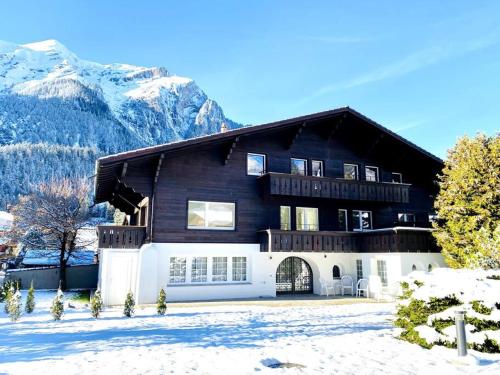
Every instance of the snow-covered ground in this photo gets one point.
(232, 338)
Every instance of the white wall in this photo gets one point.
(147, 270)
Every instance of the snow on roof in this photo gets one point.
(6, 220)
(37, 257)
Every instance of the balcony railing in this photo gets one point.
(121, 236)
(334, 188)
(397, 239)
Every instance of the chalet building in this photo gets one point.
(277, 208)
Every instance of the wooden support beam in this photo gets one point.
(374, 144)
(296, 135)
(337, 126)
(230, 150)
(157, 172)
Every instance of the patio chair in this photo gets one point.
(347, 284)
(327, 287)
(362, 287)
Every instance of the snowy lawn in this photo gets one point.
(224, 339)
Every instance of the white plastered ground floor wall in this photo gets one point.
(144, 271)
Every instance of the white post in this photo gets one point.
(461, 338)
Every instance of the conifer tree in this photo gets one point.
(468, 204)
(14, 306)
(96, 304)
(161, 303)
(129, 307)
(7, 298)
(57, 308)
(30, 300)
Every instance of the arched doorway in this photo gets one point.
(294, 275)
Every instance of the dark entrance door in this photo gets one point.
(294, 275)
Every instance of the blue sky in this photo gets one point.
(428, 70)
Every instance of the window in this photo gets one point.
(432, 218)
(397, 178)
(359, 269)
(429, 268)
(210, 215)
(219, 269)
(382, 271)
(239, 269)
(351, 172)
(307, 218)
(199, 270)
(177, 272)
(361, 220)
(317, 168)
(342, 217)
(407, 218)
(414, 268)
(371, 173)
(336, 272)
(299, 167)
(285, 218)
(256, 164)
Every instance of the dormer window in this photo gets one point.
(351, 171)
(371, 173)
(298, 167)
(256, 164)
(397, 178)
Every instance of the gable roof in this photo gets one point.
(254, 129)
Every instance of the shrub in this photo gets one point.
(57, 308)
(488, 346)
(14, 306)
(406, 291)
(161, 303)
(129, 307)
(440, 324)
(96, 304)
(478, 307)
(493, 277)
(30, 300)
(412, 336)
(418, 283)
(7, 296)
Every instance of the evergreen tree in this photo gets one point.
(30, 300)
(96, 304)
(14, 306)
(128, 309)
(8, 295)
(468, 204)
(161, 303)
(57, 308)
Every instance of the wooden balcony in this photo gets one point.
(397, 239)
(121, 236)
(334, 188)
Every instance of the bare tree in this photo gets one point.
(52, 216)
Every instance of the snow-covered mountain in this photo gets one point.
(48, 94)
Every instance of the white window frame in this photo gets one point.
(307, 208)
(265, 164)
(346, 216)
(322, 167)
(359, 269)
(305, 166)
(199, 275)
(243, 276)
(177, 277)
(360, 220)
(206, 226)
(357, 171)
(219, 265)
(382, 271)
(400, 177)
(377, 177)
(404, 215)
(288, 225)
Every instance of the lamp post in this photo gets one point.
(461, 338)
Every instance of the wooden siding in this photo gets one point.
(365, 242)
(335, 188)
(121, 236)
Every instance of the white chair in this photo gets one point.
(327, 287)
(347, 284)
(362, 286)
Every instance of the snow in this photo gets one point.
(6, 220)
(39, 257)
(224, 338)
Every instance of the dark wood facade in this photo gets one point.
(214, 168)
